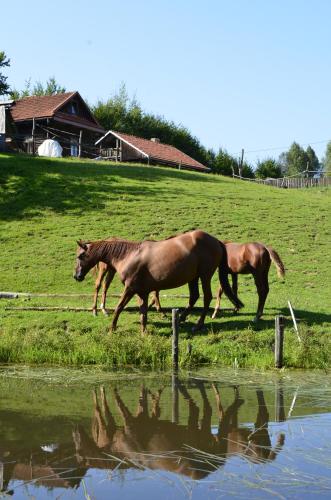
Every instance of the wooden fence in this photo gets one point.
(292, 182)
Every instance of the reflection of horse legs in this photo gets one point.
(142, 409)
(193, 415)
(228, 419)
(156, 411)
(103, 426)
(262, 286)
(205, 424)
(260, 437)
(125, 298)
(194, 295)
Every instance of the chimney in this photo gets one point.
(155, 139)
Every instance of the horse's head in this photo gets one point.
(84, 260)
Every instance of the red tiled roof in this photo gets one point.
(35, 106)
(161, 152)
(46, 106)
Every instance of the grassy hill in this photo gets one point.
(46, 205)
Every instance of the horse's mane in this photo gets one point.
(115, 247)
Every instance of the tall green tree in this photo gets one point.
(268, 168)
(224, 163)
(313, 162)
(50, 87)
(4, 62)
(294, 161)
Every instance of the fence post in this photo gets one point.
(279, 340)
(175, 398)
(175, 339)
(279, 402)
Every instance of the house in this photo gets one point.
(124, 147)
(63, 117)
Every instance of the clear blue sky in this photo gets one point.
(251, 74)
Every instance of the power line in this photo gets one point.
(279, 148)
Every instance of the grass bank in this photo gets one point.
(45, 205)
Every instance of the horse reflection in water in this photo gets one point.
(146, 441)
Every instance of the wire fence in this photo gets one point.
(296, 181)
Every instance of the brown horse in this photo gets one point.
(105, 276)
(147, 266)
(255, 259)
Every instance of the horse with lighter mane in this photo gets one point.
(148, 266)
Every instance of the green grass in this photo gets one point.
(45, 205)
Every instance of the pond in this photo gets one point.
(214, 433)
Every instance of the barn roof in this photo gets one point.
(50, 106)
(158, 151)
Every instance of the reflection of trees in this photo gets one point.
(145, 440)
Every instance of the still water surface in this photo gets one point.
(207, 434)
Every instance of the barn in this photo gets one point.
(63, 117)
(119, 146)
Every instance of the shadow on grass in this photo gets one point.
(36, 184)
(227, 321)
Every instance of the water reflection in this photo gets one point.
(194, 450)
(188, 445)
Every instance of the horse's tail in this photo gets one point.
(223, 271)
(277, 261)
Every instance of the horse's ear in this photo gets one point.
(81, 244)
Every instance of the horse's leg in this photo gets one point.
(207, 296)
(106, 284)
(218, 302)
(157, 302)
(194, 295)
(143, 312)
(98, 281)
(125, 298)
(262, 286)
(235, 288)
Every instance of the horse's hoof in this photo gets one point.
(214, 315)
(256, 319)
(94, 312)
(105, 312)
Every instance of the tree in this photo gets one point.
(294, 161)
(313, 162)
(224, 163)
(51, 87)
(268, 168)
(327, 159)
(4, 86)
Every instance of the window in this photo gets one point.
(72, 108)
